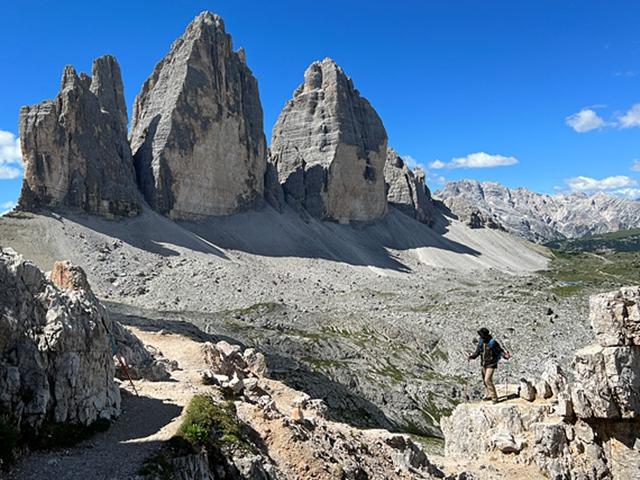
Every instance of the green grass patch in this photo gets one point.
(581, 272)
(211, 425)
(322, 363)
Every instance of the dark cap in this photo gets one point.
(484, 332)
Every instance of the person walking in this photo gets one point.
(490, 353)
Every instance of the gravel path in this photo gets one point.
(146, 421)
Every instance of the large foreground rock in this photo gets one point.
(330, 147)
(197, 128)
(615, 317)
(607, 382)
(407, 190)
(55, 357)
(75, 148)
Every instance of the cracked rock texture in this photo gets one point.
(589, 428)
(197, 128)
(407, 190)
(55, 358)
(330, 147)
(75, 148)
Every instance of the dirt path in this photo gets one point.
(146, 421)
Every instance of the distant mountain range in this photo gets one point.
(537, 217)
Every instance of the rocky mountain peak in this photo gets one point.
(106, 85)
(329, 146)
(75, 148)
(407, 190)
(197, 127)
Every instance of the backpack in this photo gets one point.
(504, 354)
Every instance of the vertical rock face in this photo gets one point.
(407, 190)
(197, 128)
(330, 148)
(75, 147)
(55, 357)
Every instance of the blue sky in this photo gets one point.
(544, 88)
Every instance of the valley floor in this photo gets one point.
(376, 320)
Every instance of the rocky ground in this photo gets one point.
(300, 444)
(376, 320)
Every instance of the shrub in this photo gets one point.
(211, 425)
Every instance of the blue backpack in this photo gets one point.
(491, 346)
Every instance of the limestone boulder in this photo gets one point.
(607, 382)
(615, 317)
(330, 146)
(554, 376)
(197, 129)
(474, 430)
(407, 190)
(526, 390)
(75, 148)
(55, 357)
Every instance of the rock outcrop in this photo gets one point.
(330, 146)
(291, 436)
(197, 129)
(585, 429)
(55, 357)
(407, 190)
(536, 217)
(75, 148)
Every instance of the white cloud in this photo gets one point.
(9, 173)
(631, 118)
(10, 156)
(475, 160)
(626, 74)
(585, 120)
(430, 177)
(437, 164)
(6, 207)
(9, 148)
(635, 166)
(619, 185)
(410, 161)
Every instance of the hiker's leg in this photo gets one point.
(487, 393)
(488, 381)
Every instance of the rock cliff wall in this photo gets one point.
(75, 148)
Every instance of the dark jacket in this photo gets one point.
(489, 355)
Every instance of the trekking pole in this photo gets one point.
(115, 352)
(125, 369)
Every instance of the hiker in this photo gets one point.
(490, 353)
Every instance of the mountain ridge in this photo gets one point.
(538, 217)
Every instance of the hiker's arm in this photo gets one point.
(476, 354)
(501, 351)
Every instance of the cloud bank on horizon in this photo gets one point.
(617, 185)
